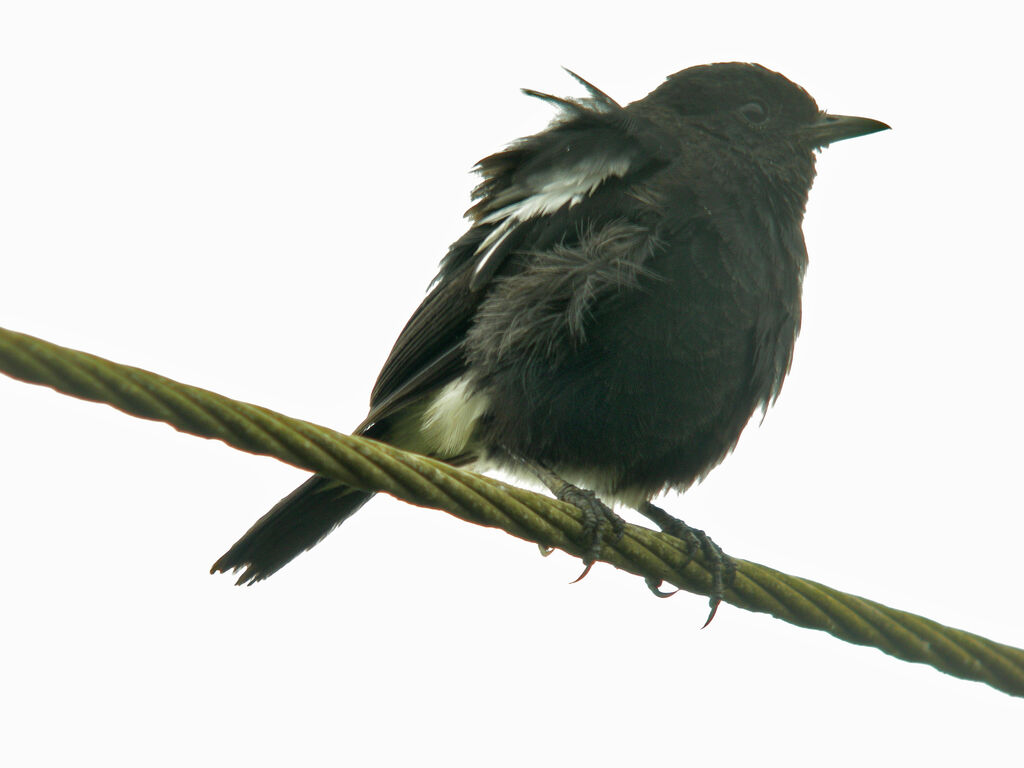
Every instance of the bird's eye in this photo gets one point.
(754, 112)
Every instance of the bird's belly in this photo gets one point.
(660, 412)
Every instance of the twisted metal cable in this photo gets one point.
(374, 466)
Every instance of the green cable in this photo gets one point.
(427, 482)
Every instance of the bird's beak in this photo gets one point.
(829, 128)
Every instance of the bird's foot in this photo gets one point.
(598, 518)
(723, 569)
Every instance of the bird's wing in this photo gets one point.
(528, 201)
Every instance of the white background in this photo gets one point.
(252, 197)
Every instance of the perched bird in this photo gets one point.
(627, 296)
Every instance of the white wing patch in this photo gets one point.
(449, 420)
(544, 194)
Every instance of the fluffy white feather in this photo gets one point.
(546, 194)
(451, 417)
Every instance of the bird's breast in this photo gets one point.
(661, 377)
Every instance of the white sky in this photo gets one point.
(220, 192)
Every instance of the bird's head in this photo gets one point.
(755, 106)
(754, 115)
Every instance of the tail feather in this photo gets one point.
(296, 523)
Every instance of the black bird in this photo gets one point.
(627, 296)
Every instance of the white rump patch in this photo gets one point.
(547, 193)
(451, 417)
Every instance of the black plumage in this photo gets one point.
(627, 296)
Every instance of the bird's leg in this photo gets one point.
(597, 516)
(723, 569)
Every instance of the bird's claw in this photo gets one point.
(655, 586)
(598, 519)
(722, 567)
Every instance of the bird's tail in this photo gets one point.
(296, 523)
